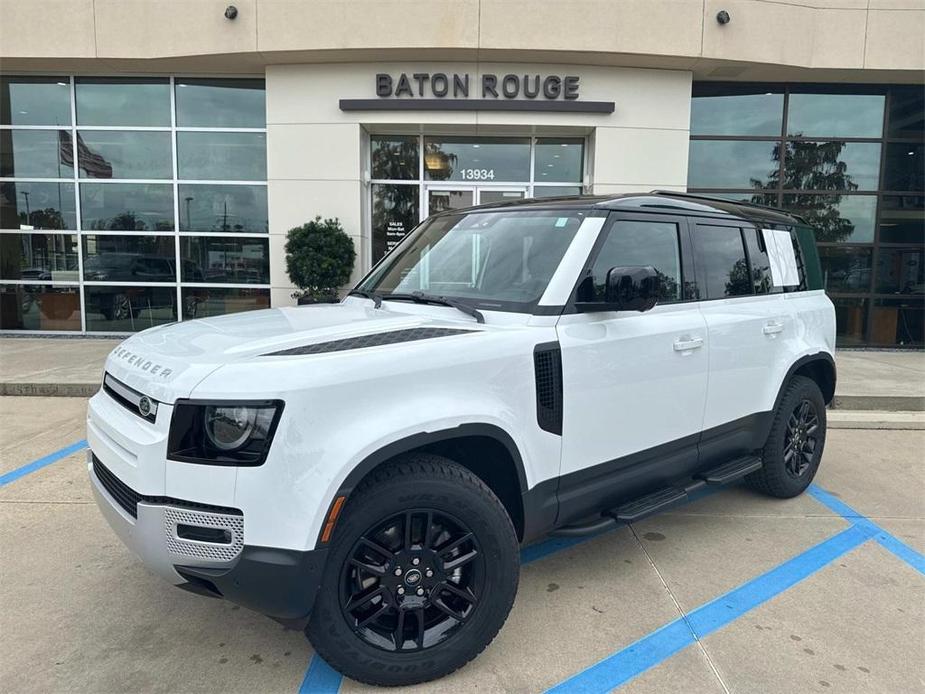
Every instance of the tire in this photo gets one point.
(801, 413)
(485, 566)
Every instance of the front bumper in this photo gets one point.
(280, 583)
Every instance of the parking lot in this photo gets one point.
(731, 593)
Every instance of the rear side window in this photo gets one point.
(634, 243)
(758, 259)
(719, 254)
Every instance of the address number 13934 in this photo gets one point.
(478, 174)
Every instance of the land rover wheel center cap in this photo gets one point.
(413, 578)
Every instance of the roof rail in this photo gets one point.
(713, 198)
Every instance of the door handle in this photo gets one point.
(685, 344)
(772, 327)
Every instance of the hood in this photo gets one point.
(169, 361)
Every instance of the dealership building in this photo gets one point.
(153, 154)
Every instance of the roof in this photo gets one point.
(663, 201)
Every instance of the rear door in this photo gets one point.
(748, 326)
(634, 384)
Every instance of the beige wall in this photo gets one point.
(876, 40)
(317, 158)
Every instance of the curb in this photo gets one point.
(62, 390)
(880, 403)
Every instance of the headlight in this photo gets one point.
(222, 433)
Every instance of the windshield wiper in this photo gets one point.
(422, 298)
(375, 298)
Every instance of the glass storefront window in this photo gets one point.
(221, 103)
(905, 167)
(835, 115)
(836, 218)
(486, 159)
(394, 157)
(135, 258)
(126, 206)
(39, 307)
(743, 112)
(29, 205)
(907, 112)
(31, 100)
(125, 309)
(123, 102)
(229, 260)
(899, 321)
(121, 154)
(36, 153)
(733, 164)
(850, 320)
(901, 271)
(555, 191)
(846, 269)
(558, 160)
(394, 214)
(223, 208)
(49, 257)
(902, 219)
(205, 302)
(837, 166)
(219, 156)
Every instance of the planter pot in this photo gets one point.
(306, 300)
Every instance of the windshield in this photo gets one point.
(500, 259)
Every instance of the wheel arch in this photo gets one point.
(487, 450)
(818, 367)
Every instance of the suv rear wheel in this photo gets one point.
(421, 575)
(794, 446)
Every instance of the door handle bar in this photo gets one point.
(773, 328)
(687, 344)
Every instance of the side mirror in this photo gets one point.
(634, 288)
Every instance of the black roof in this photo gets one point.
(663, 201)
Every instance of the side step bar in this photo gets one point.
(666, 498)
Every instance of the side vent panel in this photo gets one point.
(547, 366)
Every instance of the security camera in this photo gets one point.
(723, 17)
(231, 12)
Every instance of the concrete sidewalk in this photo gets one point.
(867, 380)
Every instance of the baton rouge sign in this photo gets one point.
(441, 91)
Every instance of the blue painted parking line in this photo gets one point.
(14, 475)
(321, 678)
(885, 539)
(660, 645)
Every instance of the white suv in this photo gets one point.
(557, 365)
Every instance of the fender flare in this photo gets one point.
(824, 357)
(414, 441)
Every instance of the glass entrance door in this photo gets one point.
(439, 198)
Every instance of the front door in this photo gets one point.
(443, 197)
(634, 384)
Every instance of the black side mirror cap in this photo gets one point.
(632, 288)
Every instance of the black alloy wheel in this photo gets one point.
(793, 451)
(800, 441)
(412, 581)
(420, 575)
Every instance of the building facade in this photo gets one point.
(153, 155)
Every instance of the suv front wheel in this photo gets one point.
(421, 575)
(794, 447)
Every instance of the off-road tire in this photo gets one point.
(774, 478)
(417, 481)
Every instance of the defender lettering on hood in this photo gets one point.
(139, 362)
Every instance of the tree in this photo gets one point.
(812, 166)
(319, 258)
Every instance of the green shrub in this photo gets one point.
(319, 258)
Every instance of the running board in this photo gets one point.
(731, 471)
(649, 504)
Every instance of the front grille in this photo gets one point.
(129, 398)
(128, 498)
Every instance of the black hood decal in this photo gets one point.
(372, 340)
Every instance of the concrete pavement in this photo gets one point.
(79, 613)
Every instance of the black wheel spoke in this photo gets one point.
(412, 579)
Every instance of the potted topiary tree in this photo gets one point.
(319, 260)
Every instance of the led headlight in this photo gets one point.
(222, 433)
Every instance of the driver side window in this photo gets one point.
(633, 242)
